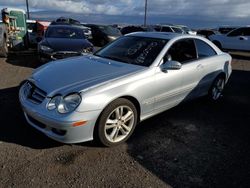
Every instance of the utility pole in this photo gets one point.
(145, 15)
(28, 12)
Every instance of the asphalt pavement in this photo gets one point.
(196, 144)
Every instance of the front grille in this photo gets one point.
(37, 123)
(34, 93)
(63, 55)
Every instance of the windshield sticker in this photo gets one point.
(141, 58)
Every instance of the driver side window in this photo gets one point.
(182, 51)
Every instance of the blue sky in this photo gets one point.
(195, 13)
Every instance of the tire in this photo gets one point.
(116, 123)
(4, 49)
(216, 89)
(218, 44)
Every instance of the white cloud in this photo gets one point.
(209, 8)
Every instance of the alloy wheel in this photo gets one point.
(218, 88)
(119, 124)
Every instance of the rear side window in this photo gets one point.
(203, 49)
(182, 51)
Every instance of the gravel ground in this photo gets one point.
(197, 144)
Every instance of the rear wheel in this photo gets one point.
(216, 89)
(117, 122)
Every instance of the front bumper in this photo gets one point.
(48, 56)
(59, 126)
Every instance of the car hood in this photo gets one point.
(79, 73)
(61, 44)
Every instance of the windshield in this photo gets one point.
(65, 32)
(133, 50)
(109, 30)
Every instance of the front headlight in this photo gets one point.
(88, 50)
(64, 104)
(45, 48)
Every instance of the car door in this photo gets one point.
(208, 61)
(174, 86)
(238, 39)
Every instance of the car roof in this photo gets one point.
(165, 35)
(160, 35)
(66, 26)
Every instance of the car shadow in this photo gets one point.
(14, 128)
(29, 59)
(240, 56)
(199, 143)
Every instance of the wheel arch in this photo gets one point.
(221, 74)
(136, 103)
(129, 98)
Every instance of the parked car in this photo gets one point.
(87, 32)
(103, 34)
(61, 41)
(207, 32)
(40, 29)
(103, 96)
(187, 30)
(64, 20)
(169, 28)
(132, 29)
(31, 25)
(73, 22)
(226, 29)
(238, 39)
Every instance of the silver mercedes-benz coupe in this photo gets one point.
(105, 95)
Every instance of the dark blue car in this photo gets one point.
(62, 41)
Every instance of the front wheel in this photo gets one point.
(4, 49)
(117, 122)
(216, 89)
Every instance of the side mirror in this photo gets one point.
(170, 65)
(243, 38)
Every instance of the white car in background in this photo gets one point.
(187, 30)
(169, 28)
(238, 39)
